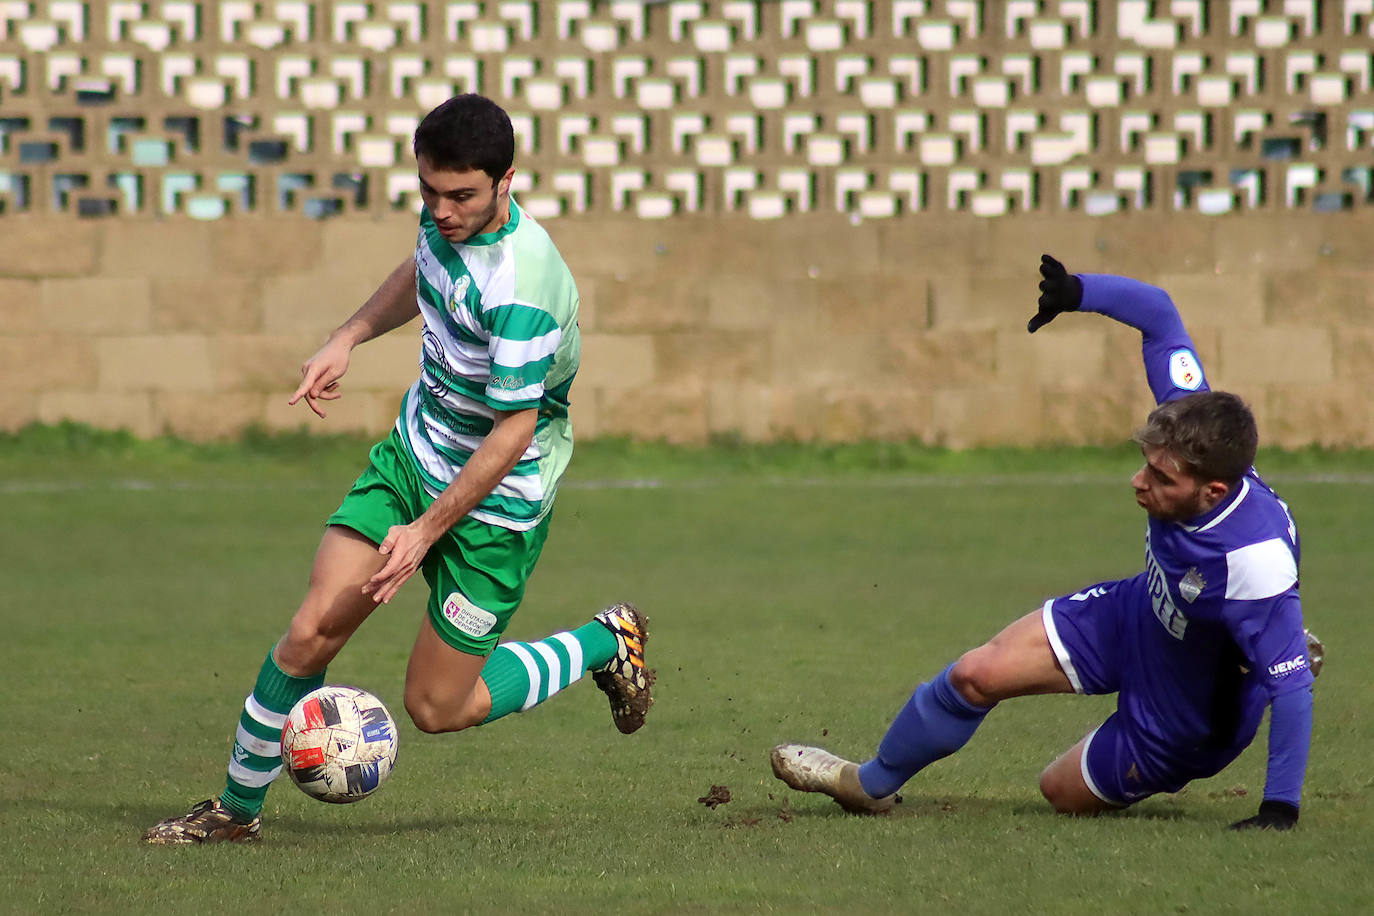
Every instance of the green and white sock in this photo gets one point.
(523, 674)
(256, 760)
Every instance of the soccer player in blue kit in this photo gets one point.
(1195, 647)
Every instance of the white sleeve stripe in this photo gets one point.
(1260, 570)
(515, 352)
(1061, 652)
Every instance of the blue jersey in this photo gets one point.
(1225, 632)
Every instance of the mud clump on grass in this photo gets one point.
(719, 795)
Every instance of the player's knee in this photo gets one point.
(306, 649)
(1065, 793)
(434, 715)
(428, 717)
(313, 638)
(1052, 787)
(303, 652)
(975, 676)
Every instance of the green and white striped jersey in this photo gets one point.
(500, 333)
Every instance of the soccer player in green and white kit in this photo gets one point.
(460, 491)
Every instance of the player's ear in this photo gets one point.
(1214, 491)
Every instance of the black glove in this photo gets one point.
(1060, 291)
(1273, 815)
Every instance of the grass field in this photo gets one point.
(795, 595)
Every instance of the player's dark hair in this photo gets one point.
(1213, 433)
(467, 132)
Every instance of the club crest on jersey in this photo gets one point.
(460, 292)
(1191, 585)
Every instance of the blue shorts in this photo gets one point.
(1126, 758)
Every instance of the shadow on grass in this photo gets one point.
(937, 807)
(138, 818)
(288, 826)
(779, 812)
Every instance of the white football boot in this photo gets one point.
(812, 769)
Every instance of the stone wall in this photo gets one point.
(812, 219)
(817, 327)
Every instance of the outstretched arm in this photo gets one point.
(1290, 737)
(1171, 364)
(392, 305)
(1275, 646)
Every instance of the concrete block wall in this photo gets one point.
(815, 328)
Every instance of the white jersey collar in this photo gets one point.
(1223, 512)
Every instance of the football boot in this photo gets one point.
(206, 822)
(625, 679)
(811, 769)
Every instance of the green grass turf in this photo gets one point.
(796, 594)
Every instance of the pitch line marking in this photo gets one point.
(914, 481)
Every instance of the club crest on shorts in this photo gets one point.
(1191, 585)
(466, 616)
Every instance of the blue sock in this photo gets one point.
(934, 723)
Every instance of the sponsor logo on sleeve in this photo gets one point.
(466, 616)
(1184, 370)
(1283, 669)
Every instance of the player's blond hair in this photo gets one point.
(1212, 432)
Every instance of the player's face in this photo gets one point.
(1169, 492)
(465, 203)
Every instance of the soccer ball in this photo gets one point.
(338, 744)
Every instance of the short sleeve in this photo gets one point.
(523, 341)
